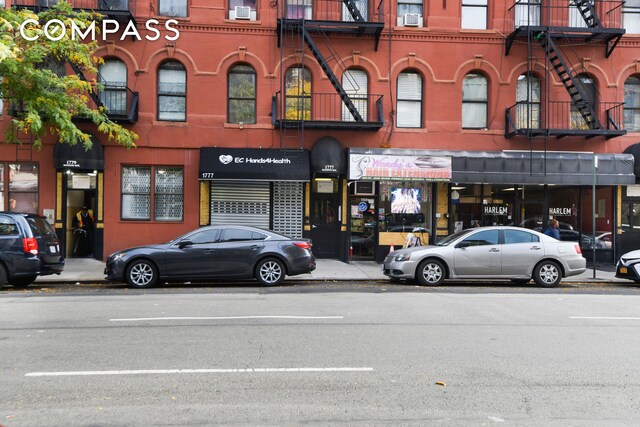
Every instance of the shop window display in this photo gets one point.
(405, 207)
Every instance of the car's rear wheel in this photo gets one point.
(141, 274)
(547, 274)
(270, 272)
(430, 272)
(22, 282)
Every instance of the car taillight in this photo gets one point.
(303, 245)
(30, 245)
(578, 249)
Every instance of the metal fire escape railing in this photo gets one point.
(551, 26)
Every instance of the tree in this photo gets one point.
(42, 101)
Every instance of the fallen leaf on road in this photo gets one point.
(442, 383)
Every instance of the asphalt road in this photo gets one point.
(318, 353)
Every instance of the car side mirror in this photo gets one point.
(463, 244)
(184, 243)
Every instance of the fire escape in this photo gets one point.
(309, 25)
(121, 96)
(553, 29)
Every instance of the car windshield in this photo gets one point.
(447, 240)
(40, 226)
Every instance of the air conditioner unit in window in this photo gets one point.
(243, 12)
(412, 19)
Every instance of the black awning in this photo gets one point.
(253, 164)
(66, 156)
(634, 150)
(328, 157)
(528, 167)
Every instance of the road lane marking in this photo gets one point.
(145, 319)
(604, 318)
(195, 371)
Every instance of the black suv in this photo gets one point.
(29, 248)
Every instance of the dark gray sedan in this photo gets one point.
(498, 252)
(232, 251)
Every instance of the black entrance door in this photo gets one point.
(325, 225)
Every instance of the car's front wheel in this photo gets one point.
(270, 272)
(547, 274)
(22, 282)
(141, 274)
(430, 272)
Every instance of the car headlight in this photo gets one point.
(119, 256)
(402, 257)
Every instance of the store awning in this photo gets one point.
(528, 167)
(66, 156)
(253, 164)
(327, 157)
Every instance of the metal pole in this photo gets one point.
(593, 206)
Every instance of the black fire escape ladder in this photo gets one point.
(569, 80)
(332, 77)
(588, 11)
(92, 93)
(353, 10)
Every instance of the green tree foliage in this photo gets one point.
(42, 101)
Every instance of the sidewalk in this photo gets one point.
(91, 270)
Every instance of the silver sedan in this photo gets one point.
(500, 252)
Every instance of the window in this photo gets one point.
(113, 75)
(204, 237)
(409, 104)
(631, 16)
(242, 94)
(410, 13)
(483, 238)
(355, 83)
(173, 7)
(474, 14)
(516, 236)
(474, 101)
(299, 9)
(242, 9)
(172, 91)
(8, 227)
(19, 181)
(363, 8)
(586, 86)
(577, 13)
(237, 235)
(632, 104)
(298, 94)
(528, 102)
(158, 189)
(527, 13)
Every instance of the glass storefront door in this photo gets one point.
(363, 227)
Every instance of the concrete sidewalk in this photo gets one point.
(91, 270)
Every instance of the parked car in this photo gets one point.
(498, 252)
(29, 248)
(628, 266)
(232, 251)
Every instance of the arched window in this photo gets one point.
(474, 101)
(528, 102)
(355, 83)
(172, 91)
(113, 75)
(241, 91)
(586, 86)
(297, 94)
(632, 104)
(409, 104)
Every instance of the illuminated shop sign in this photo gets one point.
(495, 210)
(399, 167)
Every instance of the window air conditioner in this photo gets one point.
(411, 19)
(243, 12)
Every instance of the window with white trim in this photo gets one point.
(631, 16)
(176, 8)
(355, 83)
(113, 76)
(172, 91)
(410, 13)
(632, 104)
(474, 101)
(157, 189)
(528, 102)
(409, 103)
(241, 91)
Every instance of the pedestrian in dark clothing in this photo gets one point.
(553, 229)
(82, 225)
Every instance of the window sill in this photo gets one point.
(169, 123)
(243, 21)
(247, 126)
(180, 19)
(402, 28)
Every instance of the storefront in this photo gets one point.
(519, 188)
(256, 187)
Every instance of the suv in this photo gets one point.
(29, 248)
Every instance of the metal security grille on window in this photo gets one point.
(240, 203)
(287, 208)
(136, 180)
(169, 200)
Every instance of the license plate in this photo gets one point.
(623, 270)
(53, 249)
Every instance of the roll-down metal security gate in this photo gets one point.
(240, 203)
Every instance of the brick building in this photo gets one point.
(353, 123)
